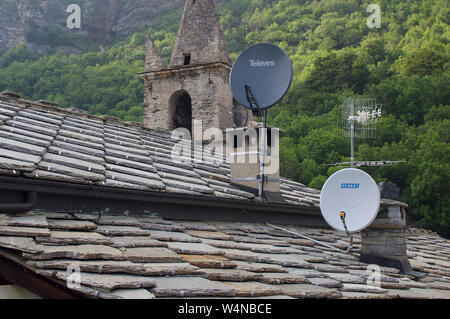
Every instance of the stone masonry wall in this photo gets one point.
(388, 243)
(207, 87)
(200, 35)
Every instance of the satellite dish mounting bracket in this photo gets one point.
(256, 109)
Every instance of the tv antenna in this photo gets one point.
(259, 79)
(368, 163)
(359, 120)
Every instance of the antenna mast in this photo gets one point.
(359, 120)
(256, 109)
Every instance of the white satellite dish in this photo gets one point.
(353, 192)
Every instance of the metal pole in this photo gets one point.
(352, 135)
(262, 153)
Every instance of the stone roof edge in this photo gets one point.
(187, 68)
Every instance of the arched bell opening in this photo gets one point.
(180, 106)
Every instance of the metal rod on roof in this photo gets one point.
(262, 154)
(305, 237)
(352, 135)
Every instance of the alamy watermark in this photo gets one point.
(73, 279)
(374, 276)
(240, 146)
(374, 20)
(74, 19)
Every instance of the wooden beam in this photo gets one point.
(17, 274)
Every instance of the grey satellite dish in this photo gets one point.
(261, 76)
(353, 195)
(259, 79)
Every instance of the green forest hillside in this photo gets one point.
(404, 65)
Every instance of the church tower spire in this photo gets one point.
(153, 60)
(200, 39)
(195, 86)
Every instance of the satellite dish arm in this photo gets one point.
(350, 245)
(262, 145)
(256, 109)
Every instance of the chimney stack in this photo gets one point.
(384, 242)
(243, 150)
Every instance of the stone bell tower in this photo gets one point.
(195, 84)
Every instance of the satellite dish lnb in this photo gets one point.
(261, 76)
(353, 192)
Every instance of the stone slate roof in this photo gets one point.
(41, 141)
(149, 257)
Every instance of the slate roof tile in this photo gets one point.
(71, 225)
(23, 231)
(41, 173)
(64, 238)
(37, 122)
(194, 249)
(75, 163)
(126, 267)
(70, 171)
(76, 155)
(128, 294)
(306, 291)
(170, 236)
(105, 282)
(15, 123)
(253, 289)
(5, 129)
(76, 252)
(231, 275)
(134, 241)
(260, 267)
(23, 244)
(109, 230)
(284, 278)
(151, 255)
(117, 220)
(131, 253)
(190, 287)
(24, 146)
(209, 261)
(79, 148)
(325, 282)
(208, 234)
(151, 180)
(39, 221)
(82, 129)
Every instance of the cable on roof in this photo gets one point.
(305, 237)
(350, 244)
